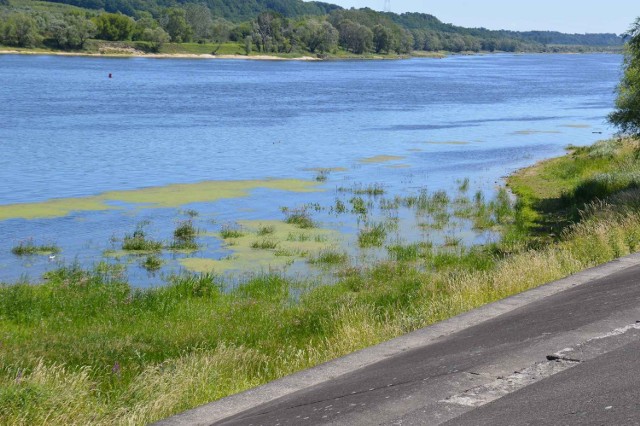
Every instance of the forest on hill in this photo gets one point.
(265, 26)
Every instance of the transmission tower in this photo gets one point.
(387, 5)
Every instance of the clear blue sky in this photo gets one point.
(571, 16)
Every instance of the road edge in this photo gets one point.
(215, 411)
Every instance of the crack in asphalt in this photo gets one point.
(555, 357)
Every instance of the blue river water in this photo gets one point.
(67, 130)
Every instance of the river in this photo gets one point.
(266, 129)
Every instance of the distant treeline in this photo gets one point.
(422, 21)
(266, 26)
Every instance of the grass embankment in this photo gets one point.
(84, 347)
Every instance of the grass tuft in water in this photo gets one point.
(373, 235)
(340, 207)
(152, 263)
(299, 218)
(265, 244)
(323, 175)
(463, 185)
(184, 236)
(190, 213)
(410, 252)
(266, 230)
(230, 230)
(359, 206)
(329, 257)
(29, 248)
(138, 241)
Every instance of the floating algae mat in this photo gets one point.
(447, 143)
(52, 208)
(536, 132)
(381, 159)
(576, 126)
(267, 245)
(154, 197)
(326, 169)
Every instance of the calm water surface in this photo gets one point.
(69, 131)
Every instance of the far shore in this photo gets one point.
(133, 53)
(138, 54)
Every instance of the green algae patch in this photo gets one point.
(381, 159)
(536, 132)
(576, 126)
(162, 196)
(326, 169)
(447, 143)
(257, 262)
(59, 207)
(180, 194)
(266, 245)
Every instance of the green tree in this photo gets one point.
(317, 36)
(114, 27)
(174, 21)
(626, 116)
(220, 33)
(156, 37)
(355, 37)
(72, 31)
(248, 45)
(432, 42)
(199, 18)
(405, 43)
(145, 21)
(21, 30)
(382, 39)
(419, 38)
(267, 31)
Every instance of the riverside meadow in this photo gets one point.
(145, 304)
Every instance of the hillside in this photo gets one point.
(281, 27)
(232, 10)
(417, 21)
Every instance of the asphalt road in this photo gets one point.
(567, 358)
(602, 391)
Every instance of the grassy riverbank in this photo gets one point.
(84, 347)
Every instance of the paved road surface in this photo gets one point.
(564, 354)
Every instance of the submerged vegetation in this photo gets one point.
(85, 347)
(175, 195)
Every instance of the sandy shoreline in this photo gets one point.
(137, 54)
